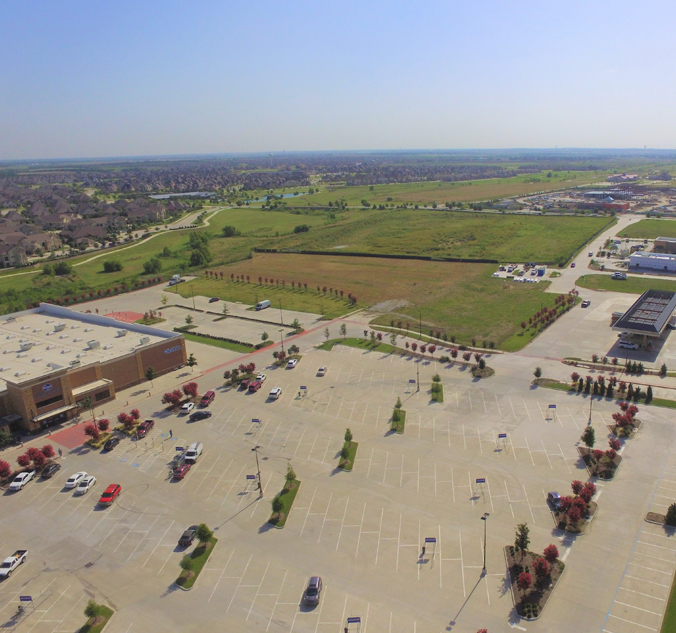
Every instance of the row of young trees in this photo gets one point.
(541, 565)
(33, 457)
(405, 328)
(547, 316)
(603, 387)
(174, 398)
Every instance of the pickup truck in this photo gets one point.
(10, 564)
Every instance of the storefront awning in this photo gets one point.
(90, 386)
(54, 412)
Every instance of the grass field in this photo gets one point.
(425, 193)
(635, 285)
(440, 233)
(650, 229)
(463, 300)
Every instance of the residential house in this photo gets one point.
(12, 256)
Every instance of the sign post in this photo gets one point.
(481, 481)
(353, 620)
(502, 441)
(431, 541)
(551, 412)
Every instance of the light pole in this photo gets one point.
(281, 337)
(192, 292)
(591, 401)
(484, 518)
(417, 371)
(258, 468)
(281, 314)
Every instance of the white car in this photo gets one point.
(321, 371)
(261, 377)
(74, 480)
(21, 480)
(292, 363)
(187, 407)
(275, 393)
(627, 345)
(85, 485)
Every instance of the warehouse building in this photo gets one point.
(52, 359)
(652, 262)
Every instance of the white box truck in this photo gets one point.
(261, 305)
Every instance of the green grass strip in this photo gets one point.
(400, 426)
(233, 347)
(658, 402)
(199, 557)
(348, 463)
(287, 496)
(104, 611)
(359, 343)
(438, 396)
(669, 622)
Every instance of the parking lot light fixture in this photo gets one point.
(258, 468)
(484, 518)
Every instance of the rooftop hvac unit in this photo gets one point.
(122, 332)
(64, 336)
(25, 346)
(25, 327)
(80, 355)
(11, 336)
(65, 350)
(77, 340)
(49, 321)
(93, 344)
(54, 365)
(35, 360)
(74, 327)
(37, 329)
(109, 346)
(89, 329)
(145, 340)
(22, 355)
(50, 347)
(59, 327)
(20, 373)
(75, 363)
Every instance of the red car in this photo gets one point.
(109, 495)
(181, 471)
(255, 386)
(145, 427)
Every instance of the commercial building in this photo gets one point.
(649, 315)
(665, 245)
(656, 262)
(53, 359)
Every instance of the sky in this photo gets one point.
(129, 78)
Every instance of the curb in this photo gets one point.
(196, 579)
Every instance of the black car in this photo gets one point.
(111, 443)
(51, 470)
(214, 299)
(188, 536)
(200, 415)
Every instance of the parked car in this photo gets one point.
(245, 384)
(111, 443)
(50, 471)
(200, 415)
(109, 495)
(74, 480)
(261, 378)
(627, 345)
(145, 427)
(321, 371)
(181, 471)
(275, 393)
(214, 299)
(572, 265)
(313, 591)
(187, 407)
(194, 451)
(85, 485)
(586, 303)
(188, 536)
(21, 480)
(255, 385)
(292, 363)
(207, 399)
(554, 498)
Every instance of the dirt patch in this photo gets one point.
(388, 306)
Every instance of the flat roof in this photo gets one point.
(644, 255)
(649, 314)
(37, 342)
(666, 239)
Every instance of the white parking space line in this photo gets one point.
(159, 542)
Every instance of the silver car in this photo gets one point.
(85, 485)
(313, 591)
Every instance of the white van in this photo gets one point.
(193, 452)
(261, 305)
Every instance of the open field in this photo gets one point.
(440, 233)
(464, 300)
(650, 229)
(425, 193)
(635, 285)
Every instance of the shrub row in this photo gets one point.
(183, 330)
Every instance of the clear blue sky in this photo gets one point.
(100, 78)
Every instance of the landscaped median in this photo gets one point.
(437, 389)
(193, 563)
(348, 453)
(282, 503)
(98, 616)
(398, 418)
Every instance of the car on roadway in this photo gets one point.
(84, 486)
(586, 303)
(590, 254)
(181, 471)
(111, 443)
(261, 378)
(109, 495)
(321, 372)
(188, 536)
(554, 498)
(627, 344)
(187, 407)
(50, 471)
(313, 591)
(74, 480)
(618, 276)
(292, 363)
(200, 415)
(145, 427)
(572, 265)
(214, 299)
(21, 480)
(275, 393)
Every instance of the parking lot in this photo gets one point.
(361, 531)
